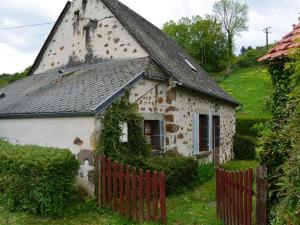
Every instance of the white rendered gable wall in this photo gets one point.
(89, 32)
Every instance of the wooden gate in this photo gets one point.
(137, 195)
(234, 196)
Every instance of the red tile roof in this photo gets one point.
(283, 46)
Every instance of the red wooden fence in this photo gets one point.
(234, 196)
(134, 194)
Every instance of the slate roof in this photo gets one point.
(83, 90)
(282, 48)
(168, 54)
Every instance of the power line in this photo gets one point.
(25, 26)
(49, 23)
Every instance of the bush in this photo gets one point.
(35, 179)
(244, 147)
(245, 125)
(249, 58)
(181, 172)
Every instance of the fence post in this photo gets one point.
(141, 195)
(261, 195)
(163, 198)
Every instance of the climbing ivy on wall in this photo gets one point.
(275, 145)
(119, 112)
(281, 72)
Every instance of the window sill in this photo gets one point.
(204, 154)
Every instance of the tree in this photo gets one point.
(202, 38)
(243, 50)
(234, 18)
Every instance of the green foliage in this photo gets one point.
(6, 79)
(249, 57)
(255, 83)
(36, 180)
(181, 172)
(202, 38)
(246, 125)
(281, 76)
(244, 147)
(136, 148)
(287, 211)
(278, 141)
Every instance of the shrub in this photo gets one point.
(35, 179)
(205, 172)
(244, 147)
(181, 172)
(245, 125)
(249, 58)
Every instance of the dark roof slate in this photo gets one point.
(168, 54)
(79, 90)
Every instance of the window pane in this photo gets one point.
(216, 132)
(203, 132)
(152, 133)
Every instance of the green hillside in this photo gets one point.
(251, 87)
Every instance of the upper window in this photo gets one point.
(203, 133)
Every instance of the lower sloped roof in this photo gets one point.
(84, 90)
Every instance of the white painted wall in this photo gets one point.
(109, 40)
(55, 132)
(49, 132)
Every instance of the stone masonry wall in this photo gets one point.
(89, 32)
(178, 106)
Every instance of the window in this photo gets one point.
(203, 133)
(216, 132)
(153, 133)
(190, 65)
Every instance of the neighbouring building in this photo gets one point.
(96, 51)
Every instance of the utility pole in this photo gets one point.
(266, 30)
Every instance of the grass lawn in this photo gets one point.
(195, 207)
(250, 86)
(240, 164)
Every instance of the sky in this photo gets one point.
(19, 47)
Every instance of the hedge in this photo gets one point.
(35, 179)
(244, 125)
(244, 147)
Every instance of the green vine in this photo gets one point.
(119, 112)
(275, 143)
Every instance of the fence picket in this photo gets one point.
(134, 195)
(249, 205)
(108, 169)
(115, 185)
(103, 178)
(141, 195)
(148, 196)
(155, 197)
(245, 198)
(234, 196)
(121, 188)
(162, 190)
(126, 190)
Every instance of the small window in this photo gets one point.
(216, 132)
(203, 133)
(152, 133)
(190, 65)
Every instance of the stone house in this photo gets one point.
(96, 51)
